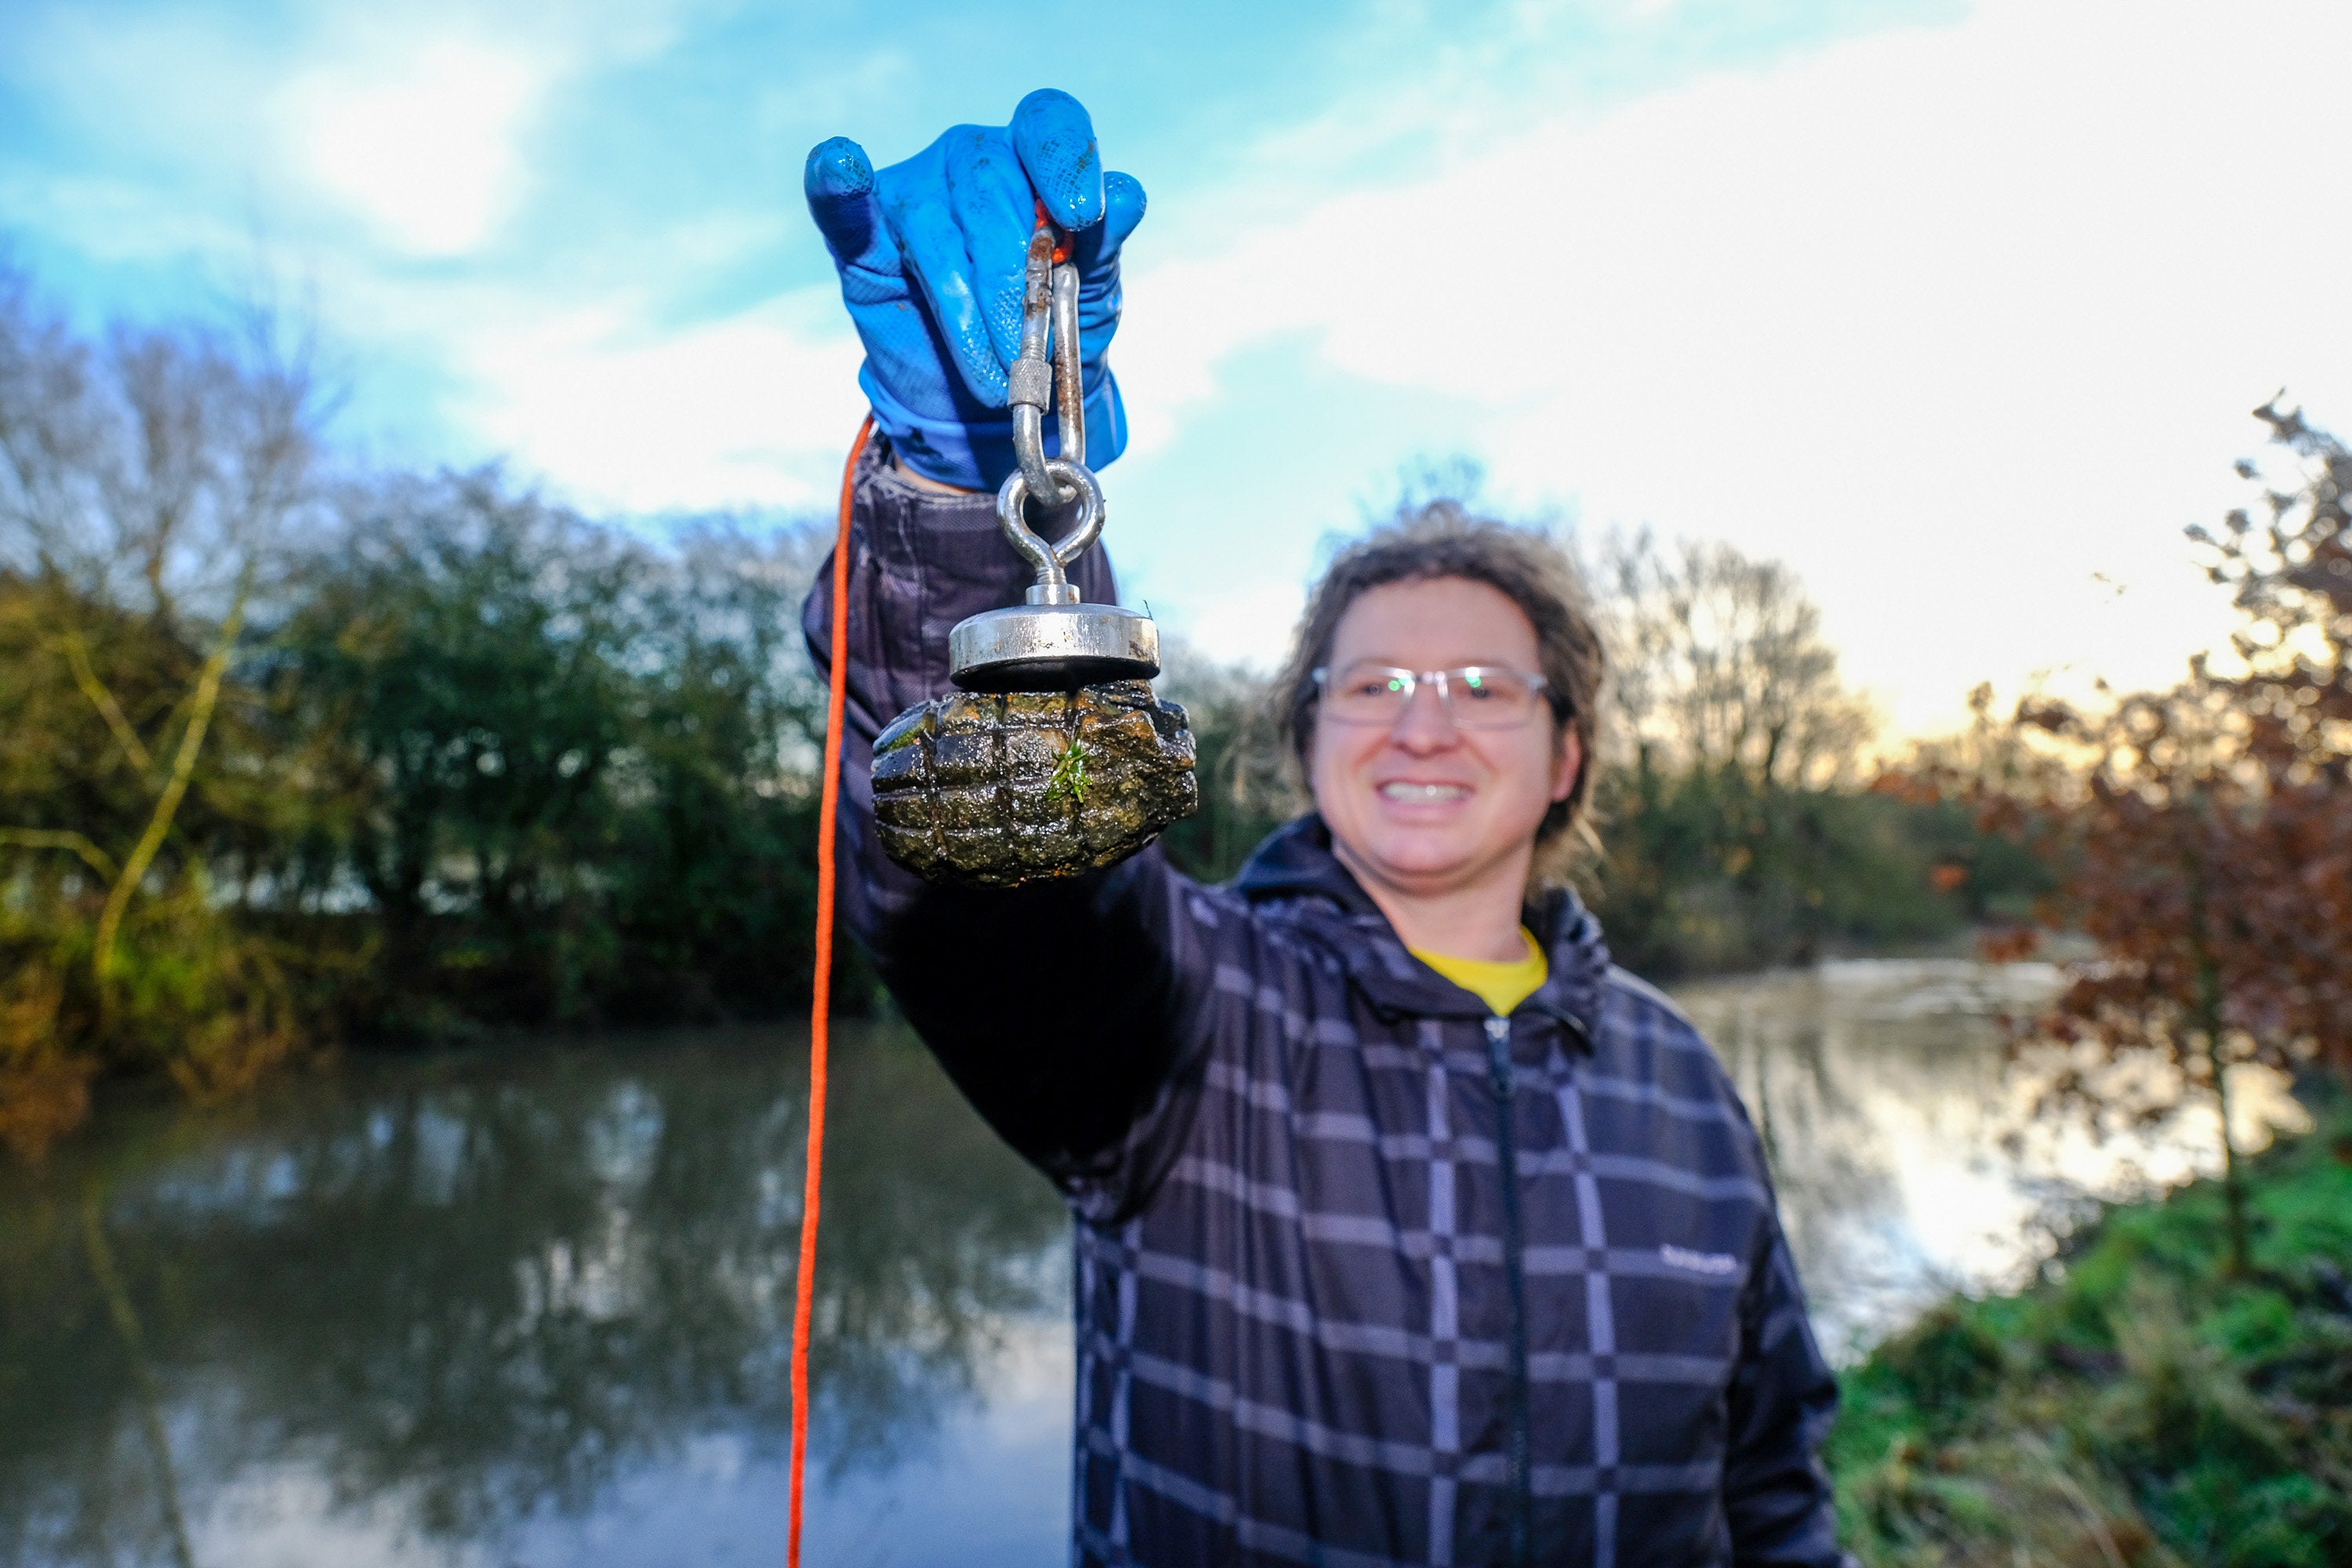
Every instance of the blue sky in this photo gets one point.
(1957, 307)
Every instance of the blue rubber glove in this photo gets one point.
(931, 252)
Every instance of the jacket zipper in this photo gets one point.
(1506, 1156)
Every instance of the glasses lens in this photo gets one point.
(1478, 697)
(1367, 692)
(1490, 697)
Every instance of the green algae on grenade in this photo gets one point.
(1002, 789)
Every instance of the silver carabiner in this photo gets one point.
(1069, 390)
(1029, 390)
(1046, 372)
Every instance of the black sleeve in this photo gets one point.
(1782, 1398)
(1071, 1013)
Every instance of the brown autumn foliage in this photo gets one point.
(2290, 572)
(2206, 831)
(2177, 849)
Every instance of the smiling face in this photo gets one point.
(1423, 807)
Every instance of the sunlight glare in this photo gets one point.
(426, 153)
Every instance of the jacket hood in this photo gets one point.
(1296, 867)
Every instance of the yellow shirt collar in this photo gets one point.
(1501, 986)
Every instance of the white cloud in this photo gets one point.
(1949, 317)
(1241, 624)
(426, 147)
(414, 119)
(757, 408)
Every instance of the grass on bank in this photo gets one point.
(2140, 1407)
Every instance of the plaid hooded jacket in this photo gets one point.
(1364, 1275)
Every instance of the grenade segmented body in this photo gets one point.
(1002, 789)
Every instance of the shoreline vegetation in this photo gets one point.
(2141, 1404)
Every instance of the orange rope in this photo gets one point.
(828, 811)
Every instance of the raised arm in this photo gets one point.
(1069, 1013)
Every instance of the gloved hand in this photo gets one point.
(931, 254)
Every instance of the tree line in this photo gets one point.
(299, 754)
(294, 755)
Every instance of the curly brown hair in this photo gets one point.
(1443, 539)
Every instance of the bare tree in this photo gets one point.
(149, 481)
(155, 470)
(1720, 667)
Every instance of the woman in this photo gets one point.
(1408, 1230)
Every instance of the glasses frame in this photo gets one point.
(1444, 679)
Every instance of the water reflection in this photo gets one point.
(1908, 1163)
(528, 1309)
(469, 1299)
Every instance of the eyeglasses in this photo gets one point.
(1476, 697)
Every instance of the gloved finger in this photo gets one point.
(838, 181)
(931, 247)
(1097, 248)
(1055, 138)
(990, 197)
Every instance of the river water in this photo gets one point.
(532, 1308)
